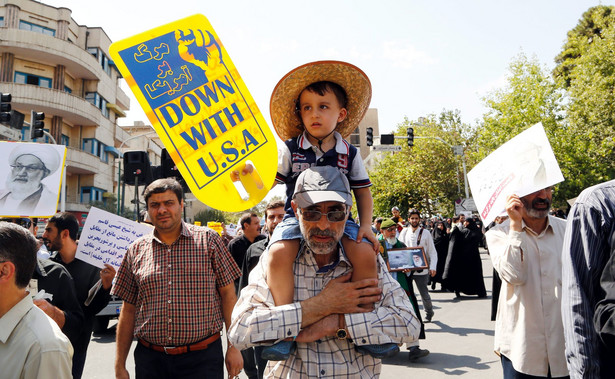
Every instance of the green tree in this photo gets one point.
(531, 95)
(586, 68)
(425, 176)
(212, 215)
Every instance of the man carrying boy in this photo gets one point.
(313, 108)
(327, 317)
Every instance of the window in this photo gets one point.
(25, 135)
(1, 22)
(67, 89)
(24, 25)
(103, 60)
(24, 78)
(98, 101)
(94, 146)
(65, 140)
(90, 194)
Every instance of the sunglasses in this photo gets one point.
(25, 222)
(333, 216)
(391, 229)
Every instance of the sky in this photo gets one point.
(421, 56)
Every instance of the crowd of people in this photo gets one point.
(318, 294)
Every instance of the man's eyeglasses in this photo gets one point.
(29, 169)
(25, 222)
(391, 229)
(333, 216)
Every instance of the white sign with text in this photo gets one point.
(522, 165)
(106, 237)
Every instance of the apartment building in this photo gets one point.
(49, 63)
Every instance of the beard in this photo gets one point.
(21, 187)
(320, 248)
(391, 240)
(537, 213)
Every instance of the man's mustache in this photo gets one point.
(541, 202)
(321, 233)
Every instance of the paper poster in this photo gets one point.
(202, 110)
(30, 178)
(523, 165)
(105, 238)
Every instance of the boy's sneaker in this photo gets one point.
(385, 350)
(416, 353)
(280, 351)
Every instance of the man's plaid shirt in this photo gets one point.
(256, 319)
(174, 287)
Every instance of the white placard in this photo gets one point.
(106, 237)
(30, 178)
(522, 165)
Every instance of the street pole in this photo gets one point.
(465, 176)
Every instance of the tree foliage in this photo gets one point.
(425, 176)
(586, 68)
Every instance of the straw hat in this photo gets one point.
(285, 94)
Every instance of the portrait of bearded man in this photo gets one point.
(25, 193)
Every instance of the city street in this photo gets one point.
(460, 340)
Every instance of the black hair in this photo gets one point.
(162, 186)
(246, 218)
(321, 88)
(414, 211)
(273, 205)
(18, 246)
(66, 221)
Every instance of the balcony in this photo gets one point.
(79, 162)
(42, 48)
(73, 109)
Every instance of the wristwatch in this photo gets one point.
(341, 333)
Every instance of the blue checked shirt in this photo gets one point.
(256, 319)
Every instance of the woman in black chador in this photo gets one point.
(463, 271)
(440, 240)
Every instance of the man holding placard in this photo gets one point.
(61, 237)
(177, 284)
(526, 252)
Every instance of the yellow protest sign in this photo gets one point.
(202, 111)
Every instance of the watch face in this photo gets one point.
(341, 334)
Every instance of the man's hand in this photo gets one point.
(45, 306)
(325, 327)
(341, 296)
(234, 361)
(52, 311)
(366, 231)
(345, 296)
(121, 373)
(106, 276)
(432, 273)
(515, 210)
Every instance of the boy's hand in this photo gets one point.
(366, 231)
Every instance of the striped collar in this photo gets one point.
(341, 145)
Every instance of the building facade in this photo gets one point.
(49, 63)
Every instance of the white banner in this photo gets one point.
(106, 237)
(31, 174)
(523, 165)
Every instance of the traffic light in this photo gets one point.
(370, 137)
(410, 137)
(5, 107)
(37, 123)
